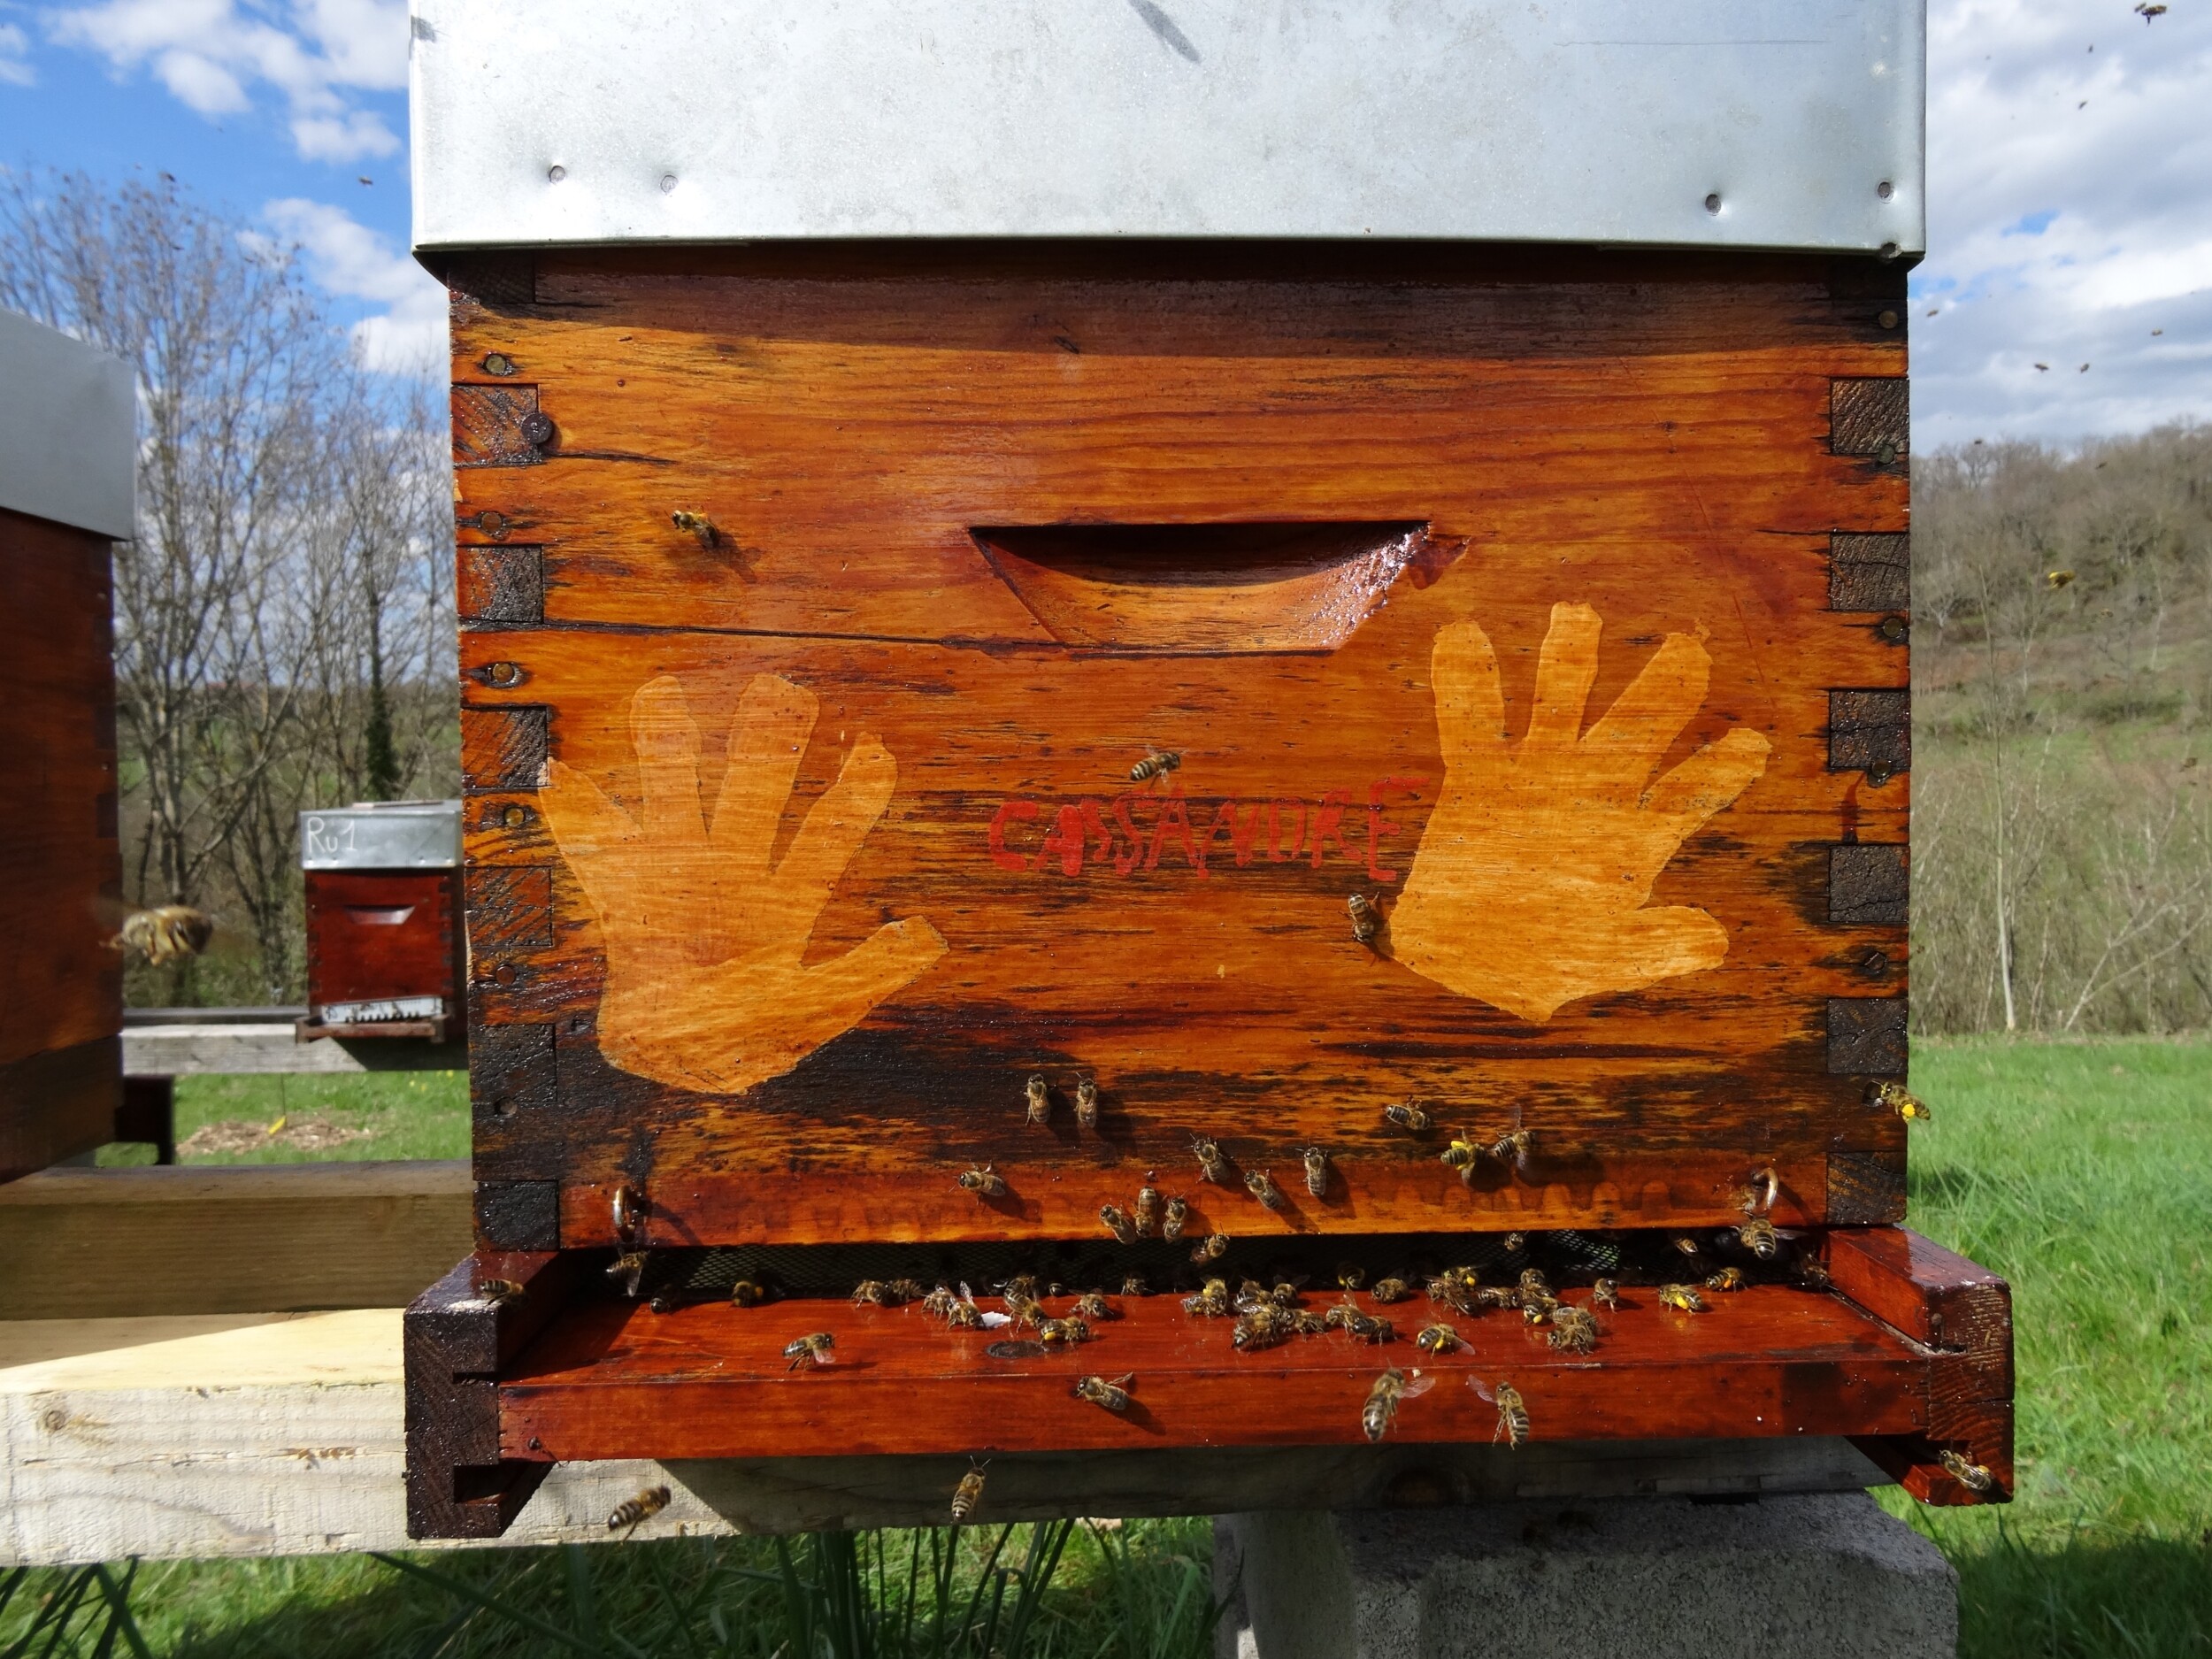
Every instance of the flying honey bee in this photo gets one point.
(167, 934)
(1973, 1476)
(1157, 764)
(1262, 1326)
(1113, 1396)
(1387, 1290)
(1136, 1284)
(1092, 1304)
(1727, 1279)
(1147, 1216)
(1063, 1332)
(1512, 1412)
(1211, 1164)
(1513, 1146)
(1572, 1331)
(1211, 1248)
(1758, 1236)
(1366, 920)
(984, 1182)
(1903, 1102)
(629, 1267)
(643, 1507)
(1087, 1103)
(1408, 1115)
(1436, 1338)
(498, 1292)
(968, 1494)
(1381, 1408)
(1040, 1101)
(1683, 1298)
(1514, 1243)
(1118, 1222)
(1350, 1276)
(1316, 1172)
(1172, 1217)
(1688, 1246)
(1210, 1301)
(1262, 1186)
(1605, 1294)
(815, 1346)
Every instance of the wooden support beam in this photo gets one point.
(83, 1243)
(226, 1041)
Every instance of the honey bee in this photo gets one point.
(498, 1292)
(1812, 1273)
(1688, 1246)
(1306, 1322)
(984, 1182)
(940, 1301)
(1118, 1223)
(968, 1494)
(1407, 1115)
(1092, 1304)
(963, 1315)
(1366, 920)
(1087, 1103)
(1684, 1298)
(904, 1291)
(1973, 1476)
(1211, 1300)
(629, 1267)
(1900, 1100)
(1605, 1294)
(1514, 1146)
(1759, 1237)
(1262, 1326)
(1350, 1276)
(1147, 1216)
(1020, 1288)
(871, 1293)
(1040, 1101)
(1136, 1284)
(1022, 1311)
(1572, 1331)
(167, 934)
(1157, 764)
(1250, 1294)
(1727, 1279)
(1451, 1290)
(1381, 1408)
(1211, 1248)
(1514, 1243)
(1498, 1296)
(1113, 1396)
(748, 1293)
(1171, 1220)
(1316, 1172)
(1061, 1332)
(1387, 1290)
(1461, 1154)
(1533, 1279)
(1757, 1198)
(814, 1345)
(1262, 1186)
(643, 1507)
(1366, 1326)
(1512, 1412)
(1436, 1338)
(1211, 1164)
(1537, 1306)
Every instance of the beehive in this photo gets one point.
(1018, 637)
(386, 956)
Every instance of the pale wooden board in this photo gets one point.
(260, 1049)
(261, 1434)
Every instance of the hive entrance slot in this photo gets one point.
(1183, 588)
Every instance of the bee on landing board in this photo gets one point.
(1410, 1116)
(497, 1292)
(968, 1494)
(1137, 1284)
(1148, 1213)
(1212, 1247)
(1381, 1408)
(1210, 1301)
(965, 1316)
(1605, 1294)
(1092, 1304)
(1573, 1330)
(1348, 1317)
(1087, 1103)
(1973, 1476)
(1063, 1332)
(1812, 1273)
(1437, 1339)
(1040, 1101)
(1114, 1396)
(1262, 1325)
(815, 1346)
(1533, 1279)
(1388, 1290)
(1512, 1412)
(871, 1293)
(1366, 920)
(1682, 1298)
(1262, 1186)
(1460, 1155)
(1171, 1220)
(167, 934)
(1157, 764)
(1727, 1279)
(1514, 1146)
(984, 1182)
(1118, 1222)
(1211, 1164)
(628, 1513)
(1316, 1172)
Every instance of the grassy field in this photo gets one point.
(2082, 1170)
(294, 1119)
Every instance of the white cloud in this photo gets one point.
(210, 53)
(15, 71)
(2069, 194)
(348, 259)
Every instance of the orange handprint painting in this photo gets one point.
(707, 988)
(1531, 885)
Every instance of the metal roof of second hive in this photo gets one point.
(1728, 123)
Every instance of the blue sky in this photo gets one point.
(2069, 181)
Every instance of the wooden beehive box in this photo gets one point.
(1184, 654)
(385, 953)
(67, 492)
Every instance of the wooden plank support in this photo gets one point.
(1960, 1315)
(220, 1042)
(83, 1243)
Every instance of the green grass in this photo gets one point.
(2083, 1172)
(400, 1115)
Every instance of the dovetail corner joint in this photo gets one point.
(503, 748)
(1868, 885)
(1869, 571)
(1870, 732)
(491, 424)
(518, 1215)
(1872, 417)
(1865, 1189)
(510, 907)
(1866, 1036)
(501, 585)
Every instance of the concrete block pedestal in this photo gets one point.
(1826, 1575)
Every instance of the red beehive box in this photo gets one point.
(385, 953)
